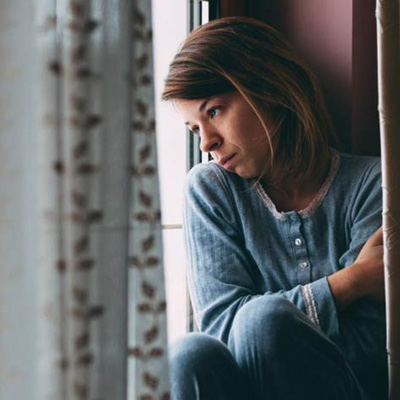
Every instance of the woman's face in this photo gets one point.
(230, 130)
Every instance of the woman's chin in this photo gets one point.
(245, 174)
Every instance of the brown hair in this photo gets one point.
(243, 54)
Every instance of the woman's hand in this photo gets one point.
(369, 269)
(364, 278)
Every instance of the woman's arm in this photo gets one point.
(359, 283)
(364, 278)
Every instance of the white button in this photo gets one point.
(303, 265)
(298, 242)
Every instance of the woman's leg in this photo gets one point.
(202, 368)
(285, 356)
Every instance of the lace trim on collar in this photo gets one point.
(317, 200)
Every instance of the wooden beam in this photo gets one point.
(388, 19)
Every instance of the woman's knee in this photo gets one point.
(266, 321)
(203, 367)
(195, 351)
(266, 313)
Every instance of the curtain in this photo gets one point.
(388, 21)
(82, 296)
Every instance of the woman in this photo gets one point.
(285, 271)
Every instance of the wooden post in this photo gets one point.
(388, 19)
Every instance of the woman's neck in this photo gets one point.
(296, 193)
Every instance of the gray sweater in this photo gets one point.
(240, 247)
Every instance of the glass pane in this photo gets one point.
(169, 30)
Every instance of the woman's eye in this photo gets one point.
(212, 112)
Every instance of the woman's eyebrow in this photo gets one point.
(201, 108)
(204, 104)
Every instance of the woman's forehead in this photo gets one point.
(189, 107)
(201, 104)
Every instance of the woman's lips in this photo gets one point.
(226, 161)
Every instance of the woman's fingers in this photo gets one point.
(376, 239)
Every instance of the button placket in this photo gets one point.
(302, 263)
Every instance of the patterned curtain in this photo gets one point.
(82, 296)
(388, 29)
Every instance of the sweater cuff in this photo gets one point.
(320, 307)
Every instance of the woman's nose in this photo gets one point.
(209, 140)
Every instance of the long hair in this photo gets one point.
(246, 55)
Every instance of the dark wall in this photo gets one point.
(365, 121)
(338, 41)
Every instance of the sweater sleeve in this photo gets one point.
(364, 217)
(221, 273)
(362, 324)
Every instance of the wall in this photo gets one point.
(365, 121)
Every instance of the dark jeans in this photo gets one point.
(274, 352)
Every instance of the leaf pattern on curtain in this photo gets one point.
(82, 299)
(147, 305)
(78, 172)
(66, 144)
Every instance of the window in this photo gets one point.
(177, 150)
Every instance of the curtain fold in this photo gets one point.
(388, 22)
(148, 378)
(82, 297)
